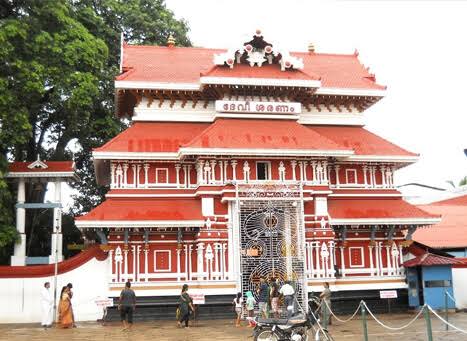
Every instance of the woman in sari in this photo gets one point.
(65, 314)
(185, 304)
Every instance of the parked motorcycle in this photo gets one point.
(296, 328)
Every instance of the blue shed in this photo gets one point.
(429, 277)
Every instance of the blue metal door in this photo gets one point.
(412, 279)
(437, 280)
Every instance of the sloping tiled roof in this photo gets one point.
(261, 134)
(270, 71)
(376, 208)
(153, 137)
(186, 64)
(136, 209)
(362, 141)
(451, 232)
(429, 259)
(238, 133)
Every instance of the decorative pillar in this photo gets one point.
(133, 167)
(300, 167)
(146, 175)
(224, 271)
(365, 180)
(305, 164)
(332, 272)
(177, 174)
(281, 171)
(213, 171)
(200, 261)
(199, 172)
(313, 165)
(226, 163)
(370, 251)
(246, 172)
(178, 264)
(189, 176)
(125, 175)
(19, 255)
(233, 163)
(336, 169)
(112, 175)
(221, 171)
(318, 260)
(342, 261)
(293, 163)
(388, 260)
(185, 176)
(138, 169)
(382, 168)
(325, 172)
(319, 172)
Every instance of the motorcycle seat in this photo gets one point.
(293, 321)
(272, 321)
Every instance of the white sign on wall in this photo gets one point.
(388, 294)
(291, 108)
(198, 298)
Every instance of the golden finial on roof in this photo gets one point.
(311, 48)
(171, 41)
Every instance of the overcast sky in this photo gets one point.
(417, 48)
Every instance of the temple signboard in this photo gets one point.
(256, 107)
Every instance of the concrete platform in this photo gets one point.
(225, 330)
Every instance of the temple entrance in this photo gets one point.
(272, 237)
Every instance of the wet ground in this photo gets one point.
(225, 330)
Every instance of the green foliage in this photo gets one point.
(59, 60)
(462, 182)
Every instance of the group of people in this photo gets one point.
(65, 316)
(269, 298)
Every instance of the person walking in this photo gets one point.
(47, 303)
(325, 297)
(185, 304)
(288, 292)
(263, 298)
(65, 315)
(127, 305)
(238, 303)
(274, 294)
(250, 307)
(70, 294)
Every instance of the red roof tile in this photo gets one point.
(374, 208)
(52, 166)
(136, 209)
(451, 232)
(261, 134)
(270, 71)
(429, 259)
(153, 137)
(360, 140)
(185, 65)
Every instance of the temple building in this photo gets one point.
(250, 162)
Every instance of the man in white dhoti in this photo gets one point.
(47, 303)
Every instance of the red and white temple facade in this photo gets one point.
(249, 162)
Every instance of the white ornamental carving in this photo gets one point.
(256, 53)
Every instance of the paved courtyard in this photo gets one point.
(225, 330)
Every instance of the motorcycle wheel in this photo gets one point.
(265, 335)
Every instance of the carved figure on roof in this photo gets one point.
(256, 52)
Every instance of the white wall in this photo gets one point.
(459, 282)
(20, 297)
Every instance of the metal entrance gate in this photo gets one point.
(272, 236)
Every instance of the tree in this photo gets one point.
(462, 182)
(56, 86)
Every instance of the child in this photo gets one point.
(238, 303)
(250, 307)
